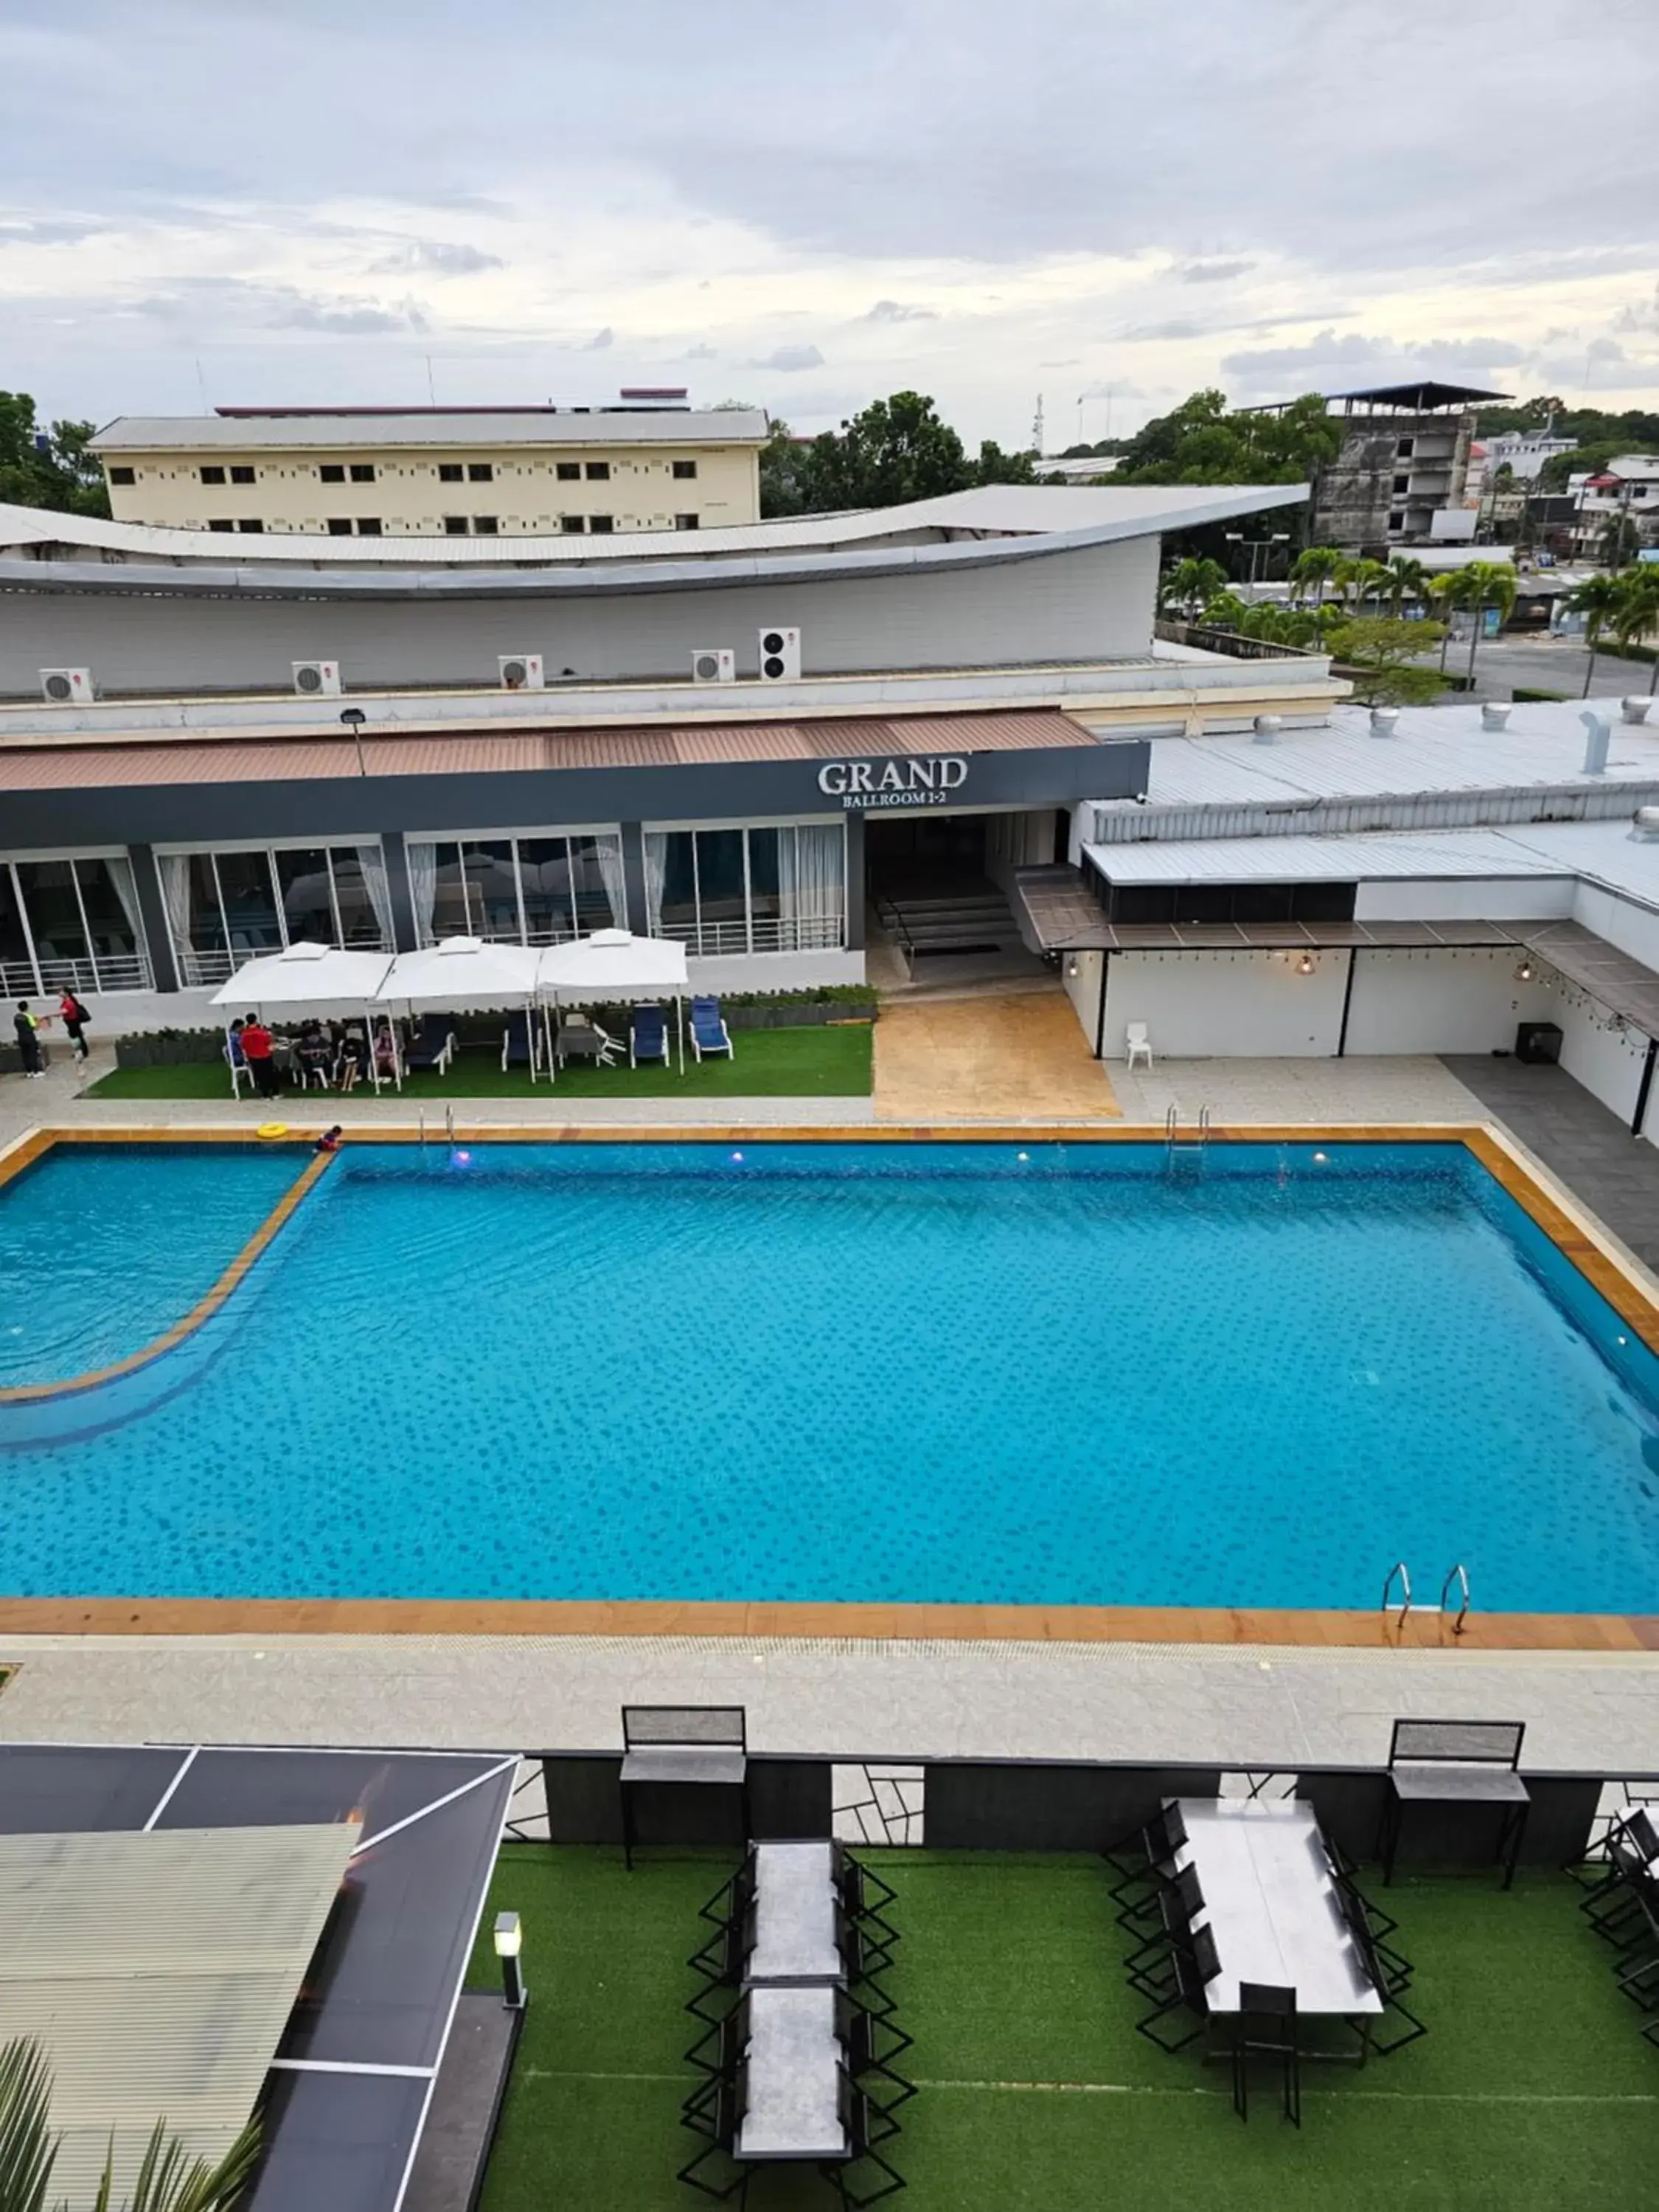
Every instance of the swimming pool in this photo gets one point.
(974, 1372)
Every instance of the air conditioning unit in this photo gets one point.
(521, 672)
(714, 664)
(66, 687)
(317, 679)
(780, 656)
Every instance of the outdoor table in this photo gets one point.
(796, 1919)
(1272, 1903)
(791, 2105)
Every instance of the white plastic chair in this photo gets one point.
(1139, 1042)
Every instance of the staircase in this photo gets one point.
(975, 924)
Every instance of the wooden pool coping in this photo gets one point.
(1573, 1232)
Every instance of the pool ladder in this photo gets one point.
(1401, 1573)
(1175, 1144)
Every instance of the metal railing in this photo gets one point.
(1399, 1570)
(84, 973)
(1460, 1577)
(759, 934)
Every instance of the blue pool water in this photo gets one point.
(864, 1371)
(104, 1247)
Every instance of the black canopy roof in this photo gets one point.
(1420, 396)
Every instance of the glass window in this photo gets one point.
(363, 473)
(572, 524)
(450, 472)
(54, 911)
(307, 904)
(119, 476)
(213, 475)
(566, 471)
(684, 470)
(492, 891)
(592, 860)
(677, 901)
(449, 893)
(206, 927)
(454, 525)
(599, 471)
(359, 922)
(110, 905)
(544, 876)
(481, 471)
(600, 526)
(16, 968)
(241, 474)
(249, 899)
(765, 901)
(332, 472)
(719, 876)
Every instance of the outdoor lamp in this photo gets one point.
(354, 717)
(1304, 965)
(510, 1941)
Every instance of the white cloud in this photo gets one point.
(899, 311)
(602, 341)
(432, 257)
(786, 360)
(1211, 272)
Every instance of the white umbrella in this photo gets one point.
(306, 978)
(615, 965)
(464, 973)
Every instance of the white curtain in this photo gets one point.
(423, 859)
(610, 855)
(120, 874)
(656, 874)
(173, 869)
(372, 861)
(811, 874)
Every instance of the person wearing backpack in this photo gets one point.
(75, 1017)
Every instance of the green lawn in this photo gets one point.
(1532, 2091)
(831, 1062)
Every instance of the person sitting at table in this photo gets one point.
(386, 1050)
(312, 1051)
(353, 1052)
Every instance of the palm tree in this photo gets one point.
(1363, 580)
(1410, 581)
(1190, 583)
(1224, 611)
(1489, 584)
(1316, 566)
(1599, 599)
(1637, 613)
(1448, 591)
(168, 2179)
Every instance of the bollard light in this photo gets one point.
(509, 1941)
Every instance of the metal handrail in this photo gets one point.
(1203, 1125)
(449, 1123)
(421, 1124)
(1459, 1577)
(1398, 1568)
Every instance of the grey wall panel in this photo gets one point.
(987, 1806)
(786, 1798)
(1093, 602)
(1350, 1807)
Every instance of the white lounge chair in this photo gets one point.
(1139, 1043)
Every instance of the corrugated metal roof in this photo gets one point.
(190, 433)
(157, 1971)
(1475, 854)
(497, 751)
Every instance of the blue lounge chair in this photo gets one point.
(648, 1036)
(433, 1045)
(709, 1032)
(519, 1044)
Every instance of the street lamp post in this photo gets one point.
(354, 717)
(509, 1939)
(1257, 546)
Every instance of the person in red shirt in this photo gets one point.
(256, 1051)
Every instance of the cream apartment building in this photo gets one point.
(435, 472)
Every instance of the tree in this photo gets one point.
(1598, 599)
(1360, 579)
(1446, 593)
(997, 467)
(896, 450)
(1410, 581)
(1381, 652)
(1316, 566)
(1637, 614)
(1224, 611)
(47, 468)
(1190, 584)
(1201, 442)
(1489, 584)
(1618, 541)
(168, 2179)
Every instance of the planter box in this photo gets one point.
(811, 1013)
(142, 1051)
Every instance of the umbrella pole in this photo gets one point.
(374, 1057)
(529, 1036)
(679, 1018)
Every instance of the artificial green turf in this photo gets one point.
(829, 1062)
(1532, 2092)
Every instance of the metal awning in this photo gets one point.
(1611, 977)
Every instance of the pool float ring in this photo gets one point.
(272, 1129)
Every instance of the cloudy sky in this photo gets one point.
(1105, 201)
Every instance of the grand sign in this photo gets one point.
(913, 779)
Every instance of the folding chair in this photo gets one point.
(1194, 1971)
(1264, 2026)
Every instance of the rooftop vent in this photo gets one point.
(1646, 827)
(1266, 728)
(1494, 716)
(1595, 745)
(1383, 720)
(1635, 710)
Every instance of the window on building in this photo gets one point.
(1397, 520)
(1401, 483)
(601, 525)
(454, 525)
(339, 525)
(773, 888)
(254, 529)
(1404, 450)
(568, 471)
(485, 526)
(685, 470)
(368, 526)
(212, 474)
(224, 908)
(332, 472)
(221, 523)
(685, 522)
(363, 473)
(450, 472)
(70, 921)
(241, 473)
(599, 471)
(572, 524)
(480, 472)
(517, 890)
(121, 476)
